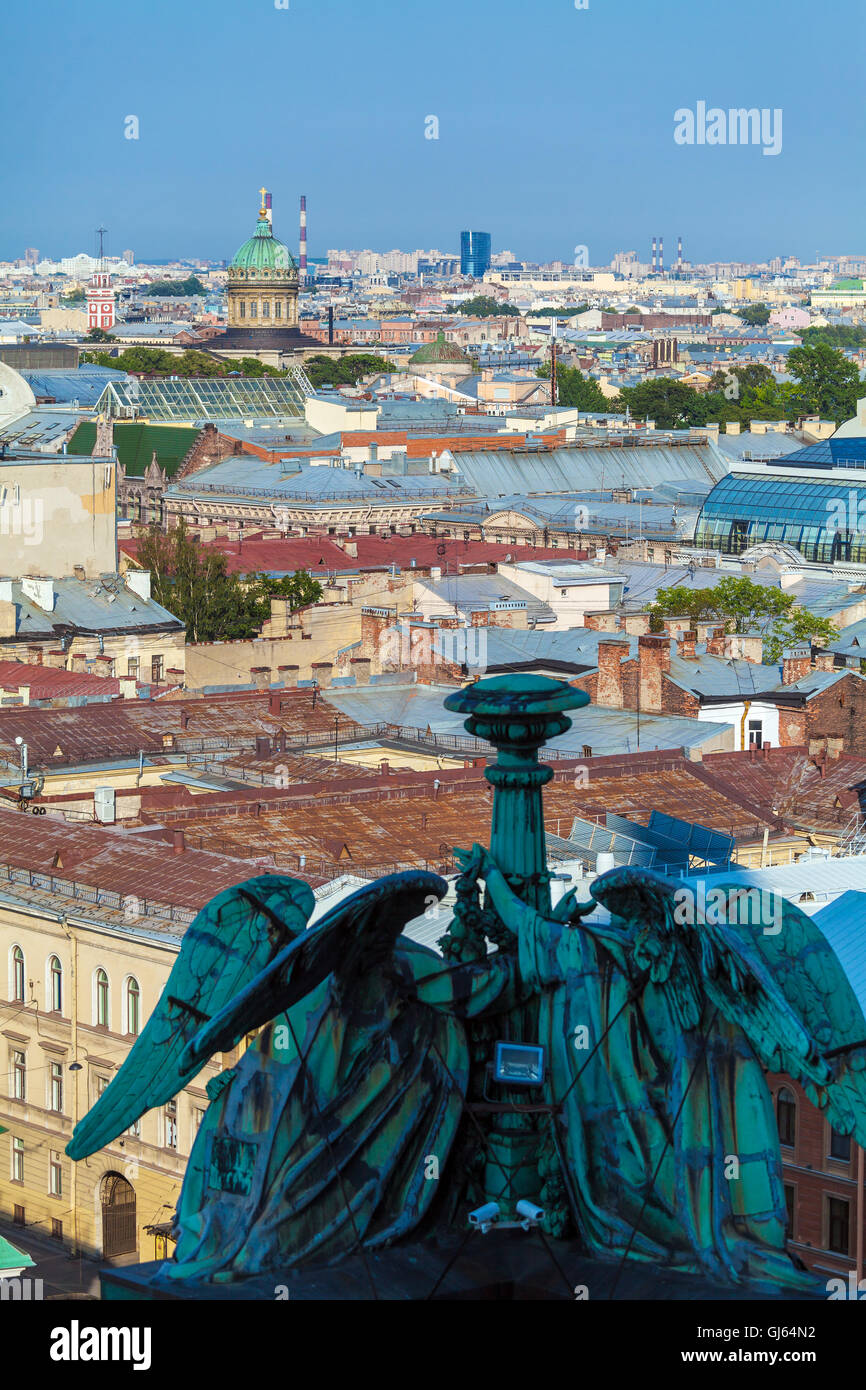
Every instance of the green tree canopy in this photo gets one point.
(575, 389)
(344, 371)
(829, 383)
(755, 315)
(191, 285)
(744, 606)
(482, 306)
(192, 581)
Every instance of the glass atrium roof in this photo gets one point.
(825, 520)
(196, 400)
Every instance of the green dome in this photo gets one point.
(440, 351)
(263, 254)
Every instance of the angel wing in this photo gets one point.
(229, 942)
(765, 965)
(354, 937)
(245, 959)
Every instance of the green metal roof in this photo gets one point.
(136, 444)
(11, 1257)
(262, 253)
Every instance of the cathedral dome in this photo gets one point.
(439, 353)
(262, 256)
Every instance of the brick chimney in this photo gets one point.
(322, 672)
(796, 663)
(178, 841)
(275, 703)
(56, 659)
(636, 624)
(825, 661)
(654, 659)
(34, 656)
(611, 653)
(716, 641)
(374, 622)
(288, 675)
(687, 644)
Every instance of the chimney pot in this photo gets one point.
(178, 841)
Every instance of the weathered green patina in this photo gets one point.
(366, 1111)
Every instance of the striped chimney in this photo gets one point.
(268, 207)
(654, 255)
(661, 256)
(679, 253)
(303, 266)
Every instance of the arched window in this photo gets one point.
(133, 1006)
(55, 985)
(102, 1002)
(18, 974)
(786, 1117)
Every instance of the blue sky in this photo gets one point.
(555, 124)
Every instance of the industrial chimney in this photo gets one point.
(679, 253)
(661, 256)
(303, 265)
(654, 256)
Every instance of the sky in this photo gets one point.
(555, 125)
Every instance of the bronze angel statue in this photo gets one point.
(651, 1135)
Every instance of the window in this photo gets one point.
(101, 1084)
(134, 1130)
(197, 1117)
(840, 1146)
(243, 309)
(278, 309)
(266, 309)
(18, 1168)
(18, 974)
(103, 1013)
(55, 1174)
(157, 668)
(132, 668)
(171, 1125)
(19, 1076)
(790, 1196)
(56, 1229)
(133, 1007)
(254, 309)
(18, 1214)
(837, 1225)
(756, 733)
(55, 1087)
(786, 1117)
(55, 985)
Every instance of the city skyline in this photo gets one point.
(573, 145)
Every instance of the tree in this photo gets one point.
(191, 285)
(99, 335)
(747, 607)
(755, 315)
(670, 403)
(575, 389)
(835, 335)
(482, 306)
(560, 313)
(829, 383)
(344, 371)
(193, 583)
(74, 297)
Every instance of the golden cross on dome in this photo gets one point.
(263, 191)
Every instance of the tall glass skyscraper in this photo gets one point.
(474, 253)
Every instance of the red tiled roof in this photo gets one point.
(52, 682)
(296, 553)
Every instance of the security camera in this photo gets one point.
(484, 1217)
(530, 1213)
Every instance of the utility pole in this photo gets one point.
(553, 370)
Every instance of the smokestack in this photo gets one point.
(661, 256)
(268, 208)
(303, 265)
(330, 325)
(679, 253)
(654, 256)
